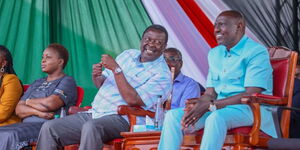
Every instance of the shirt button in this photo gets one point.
(224, 87)
(224, 70)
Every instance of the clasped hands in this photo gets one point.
(107, 62)
(194, 109)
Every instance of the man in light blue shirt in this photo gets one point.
(237, 67)
(184, 87)
(134, 78)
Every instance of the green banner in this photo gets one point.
(87, 28)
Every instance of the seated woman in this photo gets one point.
(11, 89)
(44, 98)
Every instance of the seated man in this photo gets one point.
(135, 78)
(237, 67)
(43, 99)
(184, 87)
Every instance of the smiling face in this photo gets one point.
(152, 45)
(51, 62)
(228, 29)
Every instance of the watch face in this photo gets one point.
(118, 70)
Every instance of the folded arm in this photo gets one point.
(23, 111)
(46, 104)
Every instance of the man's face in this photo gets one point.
(173, 60)
(226, 31)
(152, 45)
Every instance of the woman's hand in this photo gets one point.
(46, 115)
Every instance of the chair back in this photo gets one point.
(80, 94)
(25, 87)
(283, 61)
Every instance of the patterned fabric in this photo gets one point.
(149, 79)
(184, 88)
(21, 134)
(247, 64)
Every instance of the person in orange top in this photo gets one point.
(11, 89)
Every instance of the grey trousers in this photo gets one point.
(81, 128)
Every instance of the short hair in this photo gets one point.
(62, 52)
(234, 14)
(157, 28)
(172, 49)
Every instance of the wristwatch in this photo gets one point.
(212, 107)
(117, 70)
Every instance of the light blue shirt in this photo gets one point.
(184, 88)
(149, 79)
(247, 64)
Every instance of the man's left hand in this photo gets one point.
(191, 116)
(108, 62)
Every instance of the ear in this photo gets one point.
(181, 63)
(61, 62)
(164, 47)
(240, 26)
(4, 63)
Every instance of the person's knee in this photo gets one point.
(89, 126)
(174, 114)
(48, 125)
(173, 117)
(215, 117)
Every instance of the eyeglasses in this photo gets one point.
(172, 58)
(156, 42)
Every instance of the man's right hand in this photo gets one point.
(97, 77)
(97, 70)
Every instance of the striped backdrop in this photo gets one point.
(190, 25)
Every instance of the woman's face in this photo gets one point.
(51, 61)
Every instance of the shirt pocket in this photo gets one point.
(236, 78)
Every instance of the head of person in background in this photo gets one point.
(153, 43)
(184, 87)
(11, 88)
(173, 58)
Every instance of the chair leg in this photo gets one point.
(118, 145)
